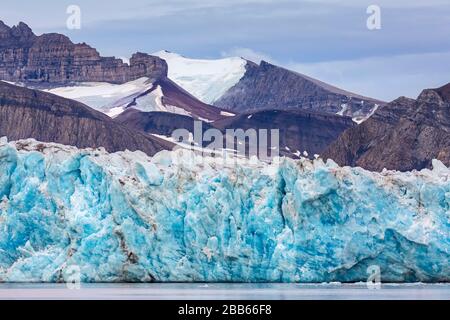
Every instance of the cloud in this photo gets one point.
(248, 54)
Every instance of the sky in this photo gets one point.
(325, 39)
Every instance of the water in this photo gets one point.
(158, 291)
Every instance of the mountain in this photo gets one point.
(26, 113)
(266, 86)
(404, 135)
(241, 86)
(299, 130)
(54, 62)
(54, 59)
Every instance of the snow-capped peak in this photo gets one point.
(207, 80)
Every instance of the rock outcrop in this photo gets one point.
(54, 59)
(405, 135)
(26, 113)
(267, 86)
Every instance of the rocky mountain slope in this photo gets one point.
(53, 58)
(267, 86)
(299, 130)
(404, 135)
(26, 113)
(159, 123)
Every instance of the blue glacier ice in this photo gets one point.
(175, 217)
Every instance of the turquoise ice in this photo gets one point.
(175, 217)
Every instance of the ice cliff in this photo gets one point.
(128, 217)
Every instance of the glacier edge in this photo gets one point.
(126, 217)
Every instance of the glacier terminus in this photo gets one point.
(175, 217)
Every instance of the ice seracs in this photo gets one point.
(180, 217)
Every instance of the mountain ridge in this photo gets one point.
(54, 58)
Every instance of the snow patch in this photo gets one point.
(102, 96)
(344, 107)
(227, 114)
(152, 101)
(361, 119)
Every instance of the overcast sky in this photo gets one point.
(326, 39)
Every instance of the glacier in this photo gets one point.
(178, 217)
(207, 80)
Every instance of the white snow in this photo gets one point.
(102, 95)
(125, 60)
(361, 119)
(344, 107)
(114, 112)
(227, 114)
(153, 102)
(13, 83)
(207, 80)
(205, 120)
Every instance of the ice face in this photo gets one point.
(128, 217)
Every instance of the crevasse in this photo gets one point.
(177, 217)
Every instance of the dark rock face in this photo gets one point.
(53, 58)
(299, 130)
(163, 123)
(404, 135)
(26, 113)
(266, 86)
